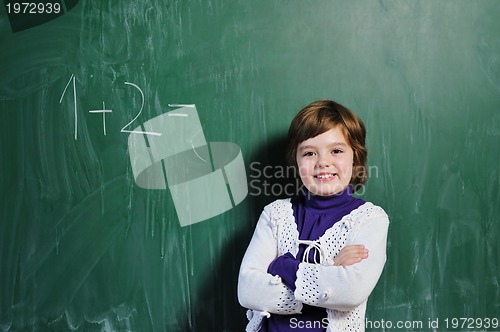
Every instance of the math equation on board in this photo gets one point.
(176, 154)
(72, 82)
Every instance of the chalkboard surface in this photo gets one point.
(101, 231)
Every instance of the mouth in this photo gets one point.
(325, 176)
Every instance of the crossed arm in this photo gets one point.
(341, 286)
(350, 254)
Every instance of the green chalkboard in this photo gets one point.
(115, 215)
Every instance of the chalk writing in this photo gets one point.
(72, 79)
(138, 114)
(103, 111)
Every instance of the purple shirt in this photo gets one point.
(313, 215)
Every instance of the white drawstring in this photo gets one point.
(311, 244)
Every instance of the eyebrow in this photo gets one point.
(342, 144)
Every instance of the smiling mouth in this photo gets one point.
(325, 176)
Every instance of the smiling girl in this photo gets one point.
(315, 258)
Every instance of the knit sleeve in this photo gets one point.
(345, 288)
(286, 267)
(257, 289)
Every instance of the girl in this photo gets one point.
(307, 267)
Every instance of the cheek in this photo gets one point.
(305, 167)
(347, 166)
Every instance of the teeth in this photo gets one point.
(324, 176)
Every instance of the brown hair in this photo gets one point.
(321, 116)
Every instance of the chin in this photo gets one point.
(327, 193)
(327, 190)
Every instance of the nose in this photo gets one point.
(323, 161)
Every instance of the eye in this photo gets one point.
(308, 154)
(337, 151)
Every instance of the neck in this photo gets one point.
(329, 202)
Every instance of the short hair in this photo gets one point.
(321, 116)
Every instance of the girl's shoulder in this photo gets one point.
(365, 215)
(368, 210)
(279, 209)
(277, 213)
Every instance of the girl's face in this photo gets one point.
(325, 163)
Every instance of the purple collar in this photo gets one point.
(325, 204)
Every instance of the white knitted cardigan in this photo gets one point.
(343, 291)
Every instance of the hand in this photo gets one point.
(350, 255)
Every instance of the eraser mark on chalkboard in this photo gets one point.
(182, 105)
(178, 114)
